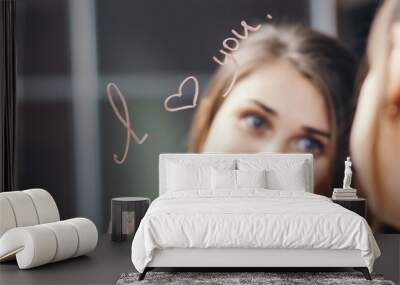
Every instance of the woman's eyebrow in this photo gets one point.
(265, 108)
(311, 130)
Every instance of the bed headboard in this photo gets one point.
(307, 158)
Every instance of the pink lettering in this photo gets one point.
(126, 122)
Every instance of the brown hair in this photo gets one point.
(324, 61)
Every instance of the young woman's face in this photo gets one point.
(275, 109)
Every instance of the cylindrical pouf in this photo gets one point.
(7, 218)
(87, 235)
(23, 208)
(67, 239)
(45, 205)
(27, 208)
(33, 246)
(126, 214)
(40, 244)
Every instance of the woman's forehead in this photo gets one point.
(282, 88)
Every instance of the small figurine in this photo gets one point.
(347, 174)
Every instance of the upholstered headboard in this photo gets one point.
(207, 157)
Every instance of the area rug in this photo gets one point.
(269, 278)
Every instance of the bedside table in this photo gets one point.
(126, 215)
(358, 206)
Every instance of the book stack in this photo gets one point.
(344, 194)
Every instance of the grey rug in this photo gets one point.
(228, 278)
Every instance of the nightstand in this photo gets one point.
(126, 215)
(358, 205)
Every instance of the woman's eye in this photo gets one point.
(256, 122)
(310, 145)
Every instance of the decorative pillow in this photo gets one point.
(223, 179)
(251, 178)
(281, 174)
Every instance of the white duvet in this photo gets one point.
(250, 219)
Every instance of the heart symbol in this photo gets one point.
(179, 94)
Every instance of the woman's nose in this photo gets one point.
(274, 145)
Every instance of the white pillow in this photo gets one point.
(181, 177)
(223, 179)
(226, 179)
(281, 174)
(292, 178)
(189, 174)
(251, 178)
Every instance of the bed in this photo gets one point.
(246, 211)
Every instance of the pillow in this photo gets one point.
(189, 174)
(223, 179)
(181, 177)
(292, 179)
(281, 174)
(227, 179)
(251, 178)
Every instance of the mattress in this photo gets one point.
(252, 219)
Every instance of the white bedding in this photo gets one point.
(251, 218)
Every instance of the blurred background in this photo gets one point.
(68, 50)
